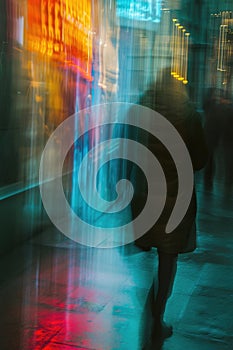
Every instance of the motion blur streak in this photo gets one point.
(58, 57)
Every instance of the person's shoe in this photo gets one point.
(161, 330)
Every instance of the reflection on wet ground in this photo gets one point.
(57, 294)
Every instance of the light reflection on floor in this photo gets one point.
(57, 294)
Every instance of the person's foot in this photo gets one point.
(160, 330)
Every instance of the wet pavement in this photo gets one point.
(57, 294)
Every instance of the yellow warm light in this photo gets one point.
(179, 48)
(224, 44)
(61, 30)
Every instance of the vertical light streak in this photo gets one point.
(185, 81)
(88, 51)
(100, 62)
(180, 53)
(74, 193)
(183, 54)
(173, 45)
(179, 48)
(176, 75)
(221, 46)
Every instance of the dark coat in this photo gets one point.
(169, 98)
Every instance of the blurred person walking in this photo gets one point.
(168, 97)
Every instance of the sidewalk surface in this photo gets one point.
(57, 294)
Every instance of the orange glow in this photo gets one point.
(62, 30)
